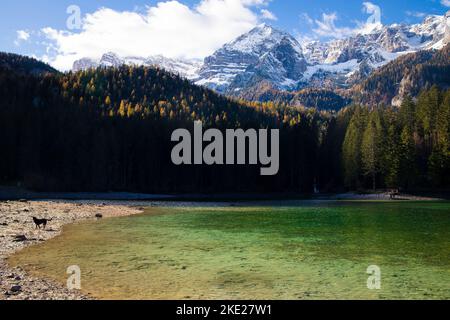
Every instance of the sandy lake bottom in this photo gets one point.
(310, 250)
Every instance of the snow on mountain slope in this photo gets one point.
(186, 68)
(345, 67)
(84, 64)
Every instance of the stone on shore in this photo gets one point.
(16, 289)
(20, 238)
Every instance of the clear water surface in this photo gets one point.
(299, 250)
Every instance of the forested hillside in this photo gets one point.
(321, 99)
(21, 64)
(405, 76)
(110, 130)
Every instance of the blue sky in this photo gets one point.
(189, 28)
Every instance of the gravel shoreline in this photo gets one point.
(18, 231)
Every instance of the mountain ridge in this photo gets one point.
(181, 67)
(274, 56)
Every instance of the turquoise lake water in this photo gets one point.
(298, 250)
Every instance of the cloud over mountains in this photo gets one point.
(169, 28)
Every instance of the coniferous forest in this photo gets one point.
(110, 130)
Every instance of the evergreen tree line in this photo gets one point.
(110, 130)
(407, 148)
(320, 99)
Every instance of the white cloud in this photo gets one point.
(416, 14)
(326, 27)
(169, 28)
(305, 18)
(445, 3)
(22, 36)
(268, 15)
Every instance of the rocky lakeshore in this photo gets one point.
(18, 231)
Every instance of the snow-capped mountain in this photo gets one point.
(264, 53)
(84, 64)
(185, 68)
(275, 58)
(343, 62)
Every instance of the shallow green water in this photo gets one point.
(307, 250)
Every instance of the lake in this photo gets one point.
(292, 250)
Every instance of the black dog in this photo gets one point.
(41, 222)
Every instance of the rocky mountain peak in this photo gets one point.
(110, 59)
(263, 53)
(261, 38)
